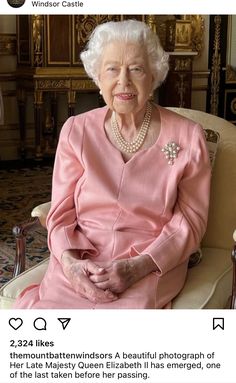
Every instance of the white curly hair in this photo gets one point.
(128, 31)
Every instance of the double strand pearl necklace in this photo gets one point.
(132, 146)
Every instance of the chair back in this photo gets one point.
(222, 212)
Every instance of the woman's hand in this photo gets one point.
(78, 272)
(123, 273)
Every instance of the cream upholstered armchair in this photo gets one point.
(209, 284)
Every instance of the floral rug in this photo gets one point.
(20, 191)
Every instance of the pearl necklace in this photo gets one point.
(132, 146)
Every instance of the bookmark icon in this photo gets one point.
(218, 322)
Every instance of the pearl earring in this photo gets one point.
(100, 92)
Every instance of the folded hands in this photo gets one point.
(104, 284)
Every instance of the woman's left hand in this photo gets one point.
(123, 273)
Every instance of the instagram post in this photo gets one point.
(117, 206)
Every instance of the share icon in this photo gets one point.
(64, 322)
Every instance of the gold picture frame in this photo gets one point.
(183, 24)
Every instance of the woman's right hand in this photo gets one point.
(78, 271)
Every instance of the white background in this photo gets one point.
(131, 331)
(129, 7)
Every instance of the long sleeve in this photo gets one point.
(182, 234)
(62, 225)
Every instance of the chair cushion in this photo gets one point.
(208, 284)
(13, 288)
(222, 213)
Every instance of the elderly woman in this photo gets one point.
(130, 186)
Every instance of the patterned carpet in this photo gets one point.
(20, 191)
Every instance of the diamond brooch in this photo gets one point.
(171, 151)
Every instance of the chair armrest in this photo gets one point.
(41, 211)
(233, 296)
(20, 232)
(39, 215)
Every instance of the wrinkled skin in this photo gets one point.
(103, 284)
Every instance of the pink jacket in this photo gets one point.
(111, 209)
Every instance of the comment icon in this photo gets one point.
(40, 324)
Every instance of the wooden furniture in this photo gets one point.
(48, 63)
(177, 89)
(230, 94)
(183, 41)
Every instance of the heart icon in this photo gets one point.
(15, 323)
